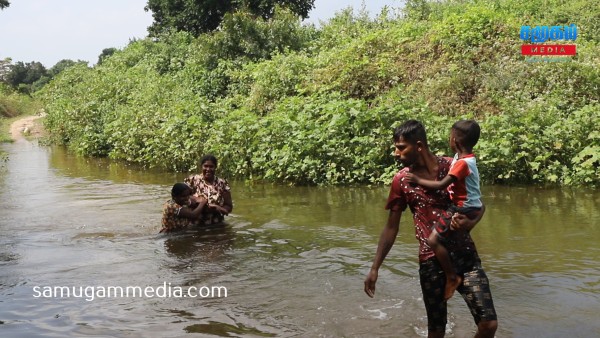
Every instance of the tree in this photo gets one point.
(4, 4)
(201, 16)
(5, 66)
(61, 65)
(22, 75)
(106, 52)
(58, 68)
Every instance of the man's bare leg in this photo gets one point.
(486, 329)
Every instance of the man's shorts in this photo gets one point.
(475, 290)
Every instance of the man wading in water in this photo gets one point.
(427, 206)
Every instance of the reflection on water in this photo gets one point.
(293, 259)
(225, 330)
(207, 242)
(71, 165)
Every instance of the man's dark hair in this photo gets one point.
(411, 131)
(178, 189)
(467, 133)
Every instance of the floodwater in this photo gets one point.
(292, 260)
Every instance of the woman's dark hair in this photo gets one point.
(209, 158)
(411, 131)
(179, 188)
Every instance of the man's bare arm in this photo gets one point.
(461, 222)
(386, 241)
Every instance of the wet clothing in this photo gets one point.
(170, 217)
(213, 194)
(428, 207)
(475, 290)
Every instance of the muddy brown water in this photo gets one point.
(291, 259)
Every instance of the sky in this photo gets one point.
(49, 31)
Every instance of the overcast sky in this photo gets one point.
(49, 31)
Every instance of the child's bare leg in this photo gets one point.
(453, 281)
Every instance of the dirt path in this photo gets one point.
(26, 127)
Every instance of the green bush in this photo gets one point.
(14, 103)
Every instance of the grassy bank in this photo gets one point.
(14, 105)
(5, 124)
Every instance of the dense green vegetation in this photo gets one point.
(29, 77)
(201, 16)
(13, 103)
(17, 81)
(285, 102)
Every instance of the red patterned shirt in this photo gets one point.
(427, 206)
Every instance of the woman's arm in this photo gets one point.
(227, 206)
(227, 203)
(194, 213)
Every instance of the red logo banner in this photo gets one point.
(560, 50)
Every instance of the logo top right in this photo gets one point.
(538, 35)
